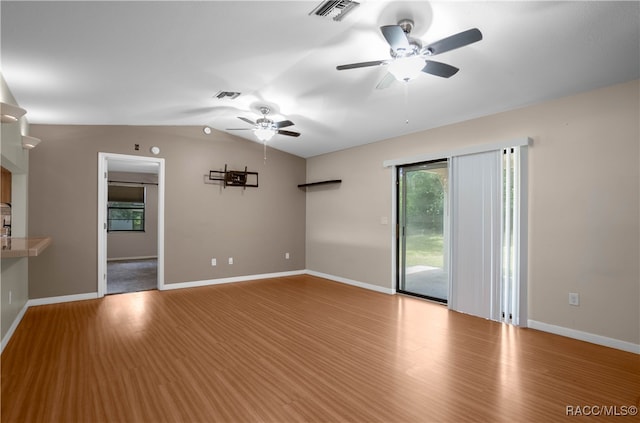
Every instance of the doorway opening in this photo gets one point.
(130, 223)
(423, 230)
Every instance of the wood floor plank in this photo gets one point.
(294, 349)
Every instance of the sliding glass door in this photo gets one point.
(423, 230)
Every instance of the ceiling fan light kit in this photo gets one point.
(264, 134)
(406, 68)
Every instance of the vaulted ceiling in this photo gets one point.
(162, 63)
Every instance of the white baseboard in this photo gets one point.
(13, 327)
(585, 336)
(62, 299)
(193, 284)
(359, 284)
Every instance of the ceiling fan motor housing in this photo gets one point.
(406, 25)
(415, 45)
(414, 49)
(265, 123)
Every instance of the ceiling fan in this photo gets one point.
(264, 128)
(409, 57)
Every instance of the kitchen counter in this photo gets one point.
(23, 247)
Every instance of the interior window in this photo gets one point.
(126, 208)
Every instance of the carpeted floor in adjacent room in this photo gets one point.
(132, 275)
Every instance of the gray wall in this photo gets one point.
(256, 226)
(584, 206)
(584, 217)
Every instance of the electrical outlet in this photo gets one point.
(214, 262)
(230, 260)
(286, 255)
(574, 299)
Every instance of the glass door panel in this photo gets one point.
(423, 230)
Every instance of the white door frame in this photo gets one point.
(103, 167)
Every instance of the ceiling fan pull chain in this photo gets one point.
(265, 151)
(406, 102)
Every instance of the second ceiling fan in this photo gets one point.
(409, 57)
(265, 128)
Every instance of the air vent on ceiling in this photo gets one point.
(335, 9)
(224, 94)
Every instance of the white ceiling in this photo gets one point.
(161, 63)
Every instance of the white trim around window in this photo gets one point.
(473, 149)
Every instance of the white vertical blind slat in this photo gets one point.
(506, 248)
(517, 195)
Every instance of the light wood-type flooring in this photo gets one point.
(293, 349)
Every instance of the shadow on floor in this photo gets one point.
(132, 275)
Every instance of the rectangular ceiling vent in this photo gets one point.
(224, 94)
(334, 9)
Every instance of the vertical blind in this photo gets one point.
(488, 235)
(514, 237)
(475, 234)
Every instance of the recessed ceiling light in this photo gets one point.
(206, 130)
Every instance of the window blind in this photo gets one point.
(476, 234)
(128, 194)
